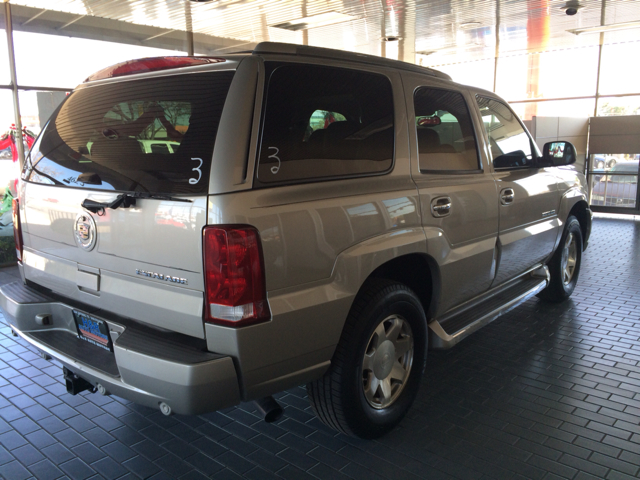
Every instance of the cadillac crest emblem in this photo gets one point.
(85, 231)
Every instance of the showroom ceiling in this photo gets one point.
(430, 32)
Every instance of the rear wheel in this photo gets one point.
(375, 372)
(564, 266)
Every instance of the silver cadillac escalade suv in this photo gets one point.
(195, 232)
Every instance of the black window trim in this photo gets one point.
(270, 66)
(425, 171)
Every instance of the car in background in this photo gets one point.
(619, 187)
(600, 162)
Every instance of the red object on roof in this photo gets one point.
(151, 64)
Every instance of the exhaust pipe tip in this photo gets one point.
(270, 410)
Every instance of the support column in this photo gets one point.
(603, 18)
(305, 32)
(495, 65)
(14, 83)
(538, 32)
(189, 28)
(383, 34)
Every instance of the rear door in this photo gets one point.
(133, 136)
(457, 193)
(527, 195)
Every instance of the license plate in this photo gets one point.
(93, 330)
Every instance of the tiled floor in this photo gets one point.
(544, 392)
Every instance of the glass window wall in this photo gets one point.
(614, 181)
(477, 74)
(548, 74)
(5, 75)
(37, 106)
(6, 112)
(9, 170)
(555, 108)
(64, 62)
(619, 70)
(611, 106)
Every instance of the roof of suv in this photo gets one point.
(305, 50)
(154, 64)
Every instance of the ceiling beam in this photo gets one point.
(36, 20)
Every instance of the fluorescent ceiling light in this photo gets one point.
(469, 25)
(314, 21)
(453, 48)
(605, 28)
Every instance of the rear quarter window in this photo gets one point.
(323, 122)
(152, 135)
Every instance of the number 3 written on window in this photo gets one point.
(193, 181)
(276, 168)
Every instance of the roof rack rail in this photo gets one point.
(293, 49)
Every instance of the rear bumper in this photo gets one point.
(143, 368)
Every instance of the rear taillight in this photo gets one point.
(17, 230)
(235, 293)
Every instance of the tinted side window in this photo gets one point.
(446, 140)
(510, 145)
(154, 135)
(325, 122)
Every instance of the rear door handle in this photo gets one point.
(441, 207)
(506, 196)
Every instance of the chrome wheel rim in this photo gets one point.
(387, 361)
(569, 258)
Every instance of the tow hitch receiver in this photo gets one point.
(75, 384)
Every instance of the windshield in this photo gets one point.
(151, 135)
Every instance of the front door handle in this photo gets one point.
(506, 196)
(441, 207)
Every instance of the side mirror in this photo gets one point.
(555, 154)
(511, 160)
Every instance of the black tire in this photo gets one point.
(350, 397)
(565, 271)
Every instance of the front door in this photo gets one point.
(527, 195)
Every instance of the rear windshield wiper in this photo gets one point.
(126, 200)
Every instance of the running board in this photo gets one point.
(463, 321)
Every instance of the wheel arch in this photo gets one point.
(582, 212)
(417, 271)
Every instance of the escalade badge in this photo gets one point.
(85, 231)
(160, 276)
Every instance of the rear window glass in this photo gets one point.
(151, 135)
(325, 122)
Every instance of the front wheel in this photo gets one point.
(375, 371)
(564, 266)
